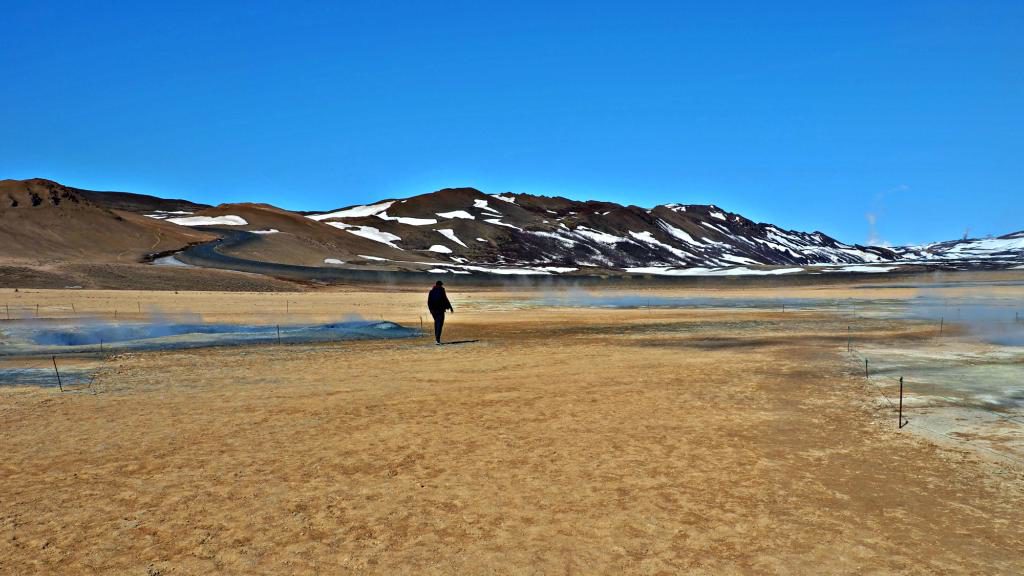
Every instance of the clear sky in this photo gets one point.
(811, 115)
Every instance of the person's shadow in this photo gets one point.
(453, 342)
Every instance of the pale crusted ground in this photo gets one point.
(564, 441)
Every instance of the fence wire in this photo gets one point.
(876, 382)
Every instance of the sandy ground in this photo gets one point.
(562, 441)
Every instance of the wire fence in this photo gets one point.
(135, 310)
(70, 376)
(905, 417)
(48, 372)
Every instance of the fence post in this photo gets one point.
(59, 383)
(900, 421)
(849, 337)
(942, 322)
(278, 334)
(866, 368)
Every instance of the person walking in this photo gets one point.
(437, 303)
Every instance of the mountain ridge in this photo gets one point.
(464, 230)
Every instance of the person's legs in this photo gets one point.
(438, 325)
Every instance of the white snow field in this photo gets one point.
(227, 220)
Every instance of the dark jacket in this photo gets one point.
(437, 301)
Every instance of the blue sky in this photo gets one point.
(810, 115)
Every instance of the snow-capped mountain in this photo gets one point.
(463, 227)
(457, 231)
(1008, 249)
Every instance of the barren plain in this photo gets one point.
(557, 440)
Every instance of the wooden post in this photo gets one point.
(287, 310)
(849, 339)
(8, 308)
(73, 311)
(140, 307)
(37, 310)
(866, 368)
(278, 334)
(942, 322)
(421, 323)
(101, 346)
(59, 383)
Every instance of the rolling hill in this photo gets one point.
(42, 221)
(450, 231)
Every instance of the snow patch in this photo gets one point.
(862, 268)
(440, 248)
(507, 271)
(677, 233)
(482, 204)
(450, 234)
(228, 220)
(598, 236)
(171, 261)
(648, 238)
(333, 261)
(556, 269)
(370, 233)
(457, 214)
(354, 212)
(670, 271)
(498, 222)
(405, 220)
(737, 259)
(163, 214)
(556, 236)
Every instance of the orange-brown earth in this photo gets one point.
(42, 222)
(563, 441)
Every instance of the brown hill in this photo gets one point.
(43, 222)
(140, 203)
(454, 230)
(284, 237)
